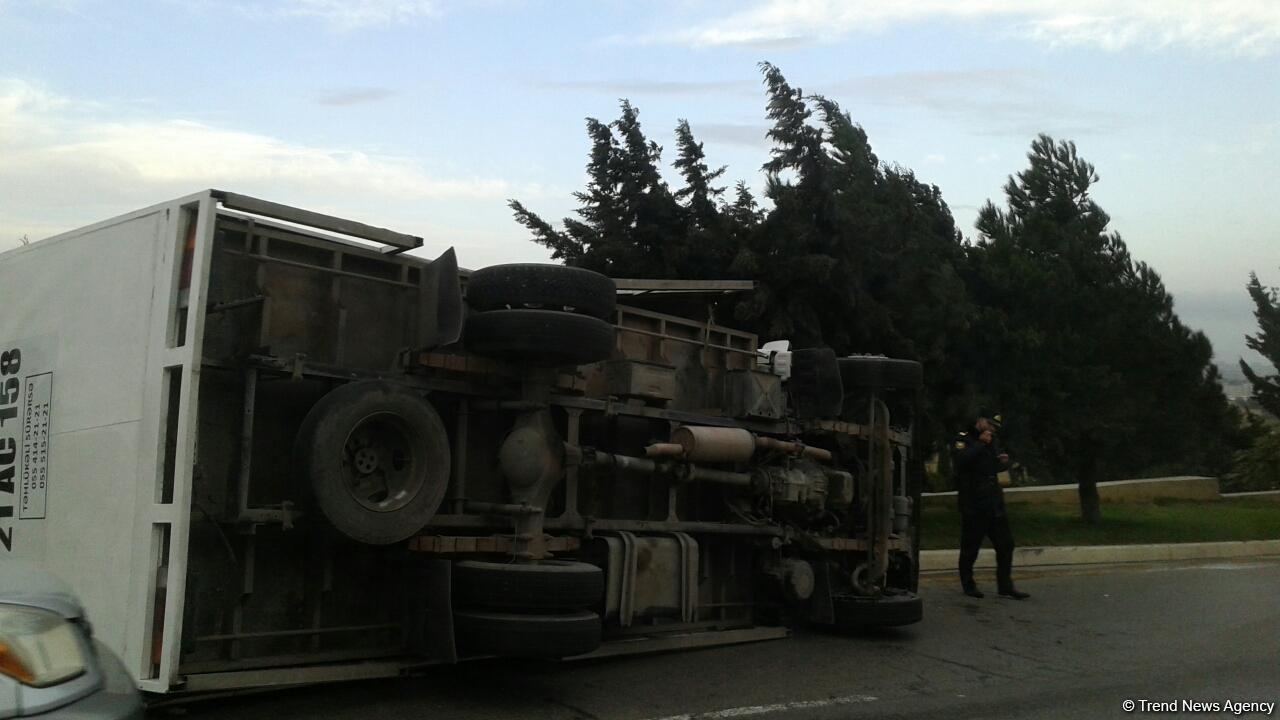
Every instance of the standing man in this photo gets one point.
(978, 459)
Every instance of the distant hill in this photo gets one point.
(1234, 383)
(1231, 372)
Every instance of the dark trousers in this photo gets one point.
(974, 527)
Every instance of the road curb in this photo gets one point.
(1183, 487)
(1269, 495)
(1029, 557)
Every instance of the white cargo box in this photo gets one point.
(101, 332)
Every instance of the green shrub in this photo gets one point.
(1257, 468)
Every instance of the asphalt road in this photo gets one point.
(1082, 645)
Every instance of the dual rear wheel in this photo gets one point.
(546, 315)
(542, 610)
(534, 315)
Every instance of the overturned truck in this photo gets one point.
(265, 452)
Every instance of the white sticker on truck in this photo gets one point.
(36, 396)
(26, 404)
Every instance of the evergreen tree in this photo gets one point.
(583, 242)
(1047, 316)
(1266, 302)
(1079, 343)
(855, 255)
(797, 145)
(744, 211)
(791, 255)
(1257, 467)
(705, 248)
(629, 223)
(699, 195)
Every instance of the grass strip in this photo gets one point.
(1169, 521)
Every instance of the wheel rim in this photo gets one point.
(381, 464)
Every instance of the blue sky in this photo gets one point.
(426, 115)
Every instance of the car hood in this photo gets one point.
(26, 584)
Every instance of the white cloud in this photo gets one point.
(994, 101)
(347, 14)
(170, 151)
(1238, 26)
(337, 15)
(1258, 140)
(638, 87)
(345, 97)
(743, 134)
(63, 164)
(17, 96)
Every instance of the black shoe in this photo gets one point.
(973, 591)
(1014, 593)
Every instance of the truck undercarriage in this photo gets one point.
(381, 463)
(671, 460)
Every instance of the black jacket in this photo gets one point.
(976, 466)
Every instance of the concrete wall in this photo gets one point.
(1170, 488)
(1268, 495)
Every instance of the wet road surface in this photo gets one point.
(1082, 645)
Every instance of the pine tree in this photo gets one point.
(583, 243)
(707, 246)
(1257, 467)
(1048, 316)
(791, 254)
(854, 254)
(899, 253)
(1079, 342)
(701, 198)
(1266, 302)
(797, 144)
(629, 223)
(744, 210)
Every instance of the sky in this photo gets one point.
(425, 116)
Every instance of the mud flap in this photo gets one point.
(440, 303)
(821, 608)
(431, 617)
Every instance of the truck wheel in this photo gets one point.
(377, 458)
(875, 372)
(553, 287)
(815, 383)
(545, 337)
(548, 585)
(521, 635)
(854, 612)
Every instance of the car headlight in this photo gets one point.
(39, 648)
